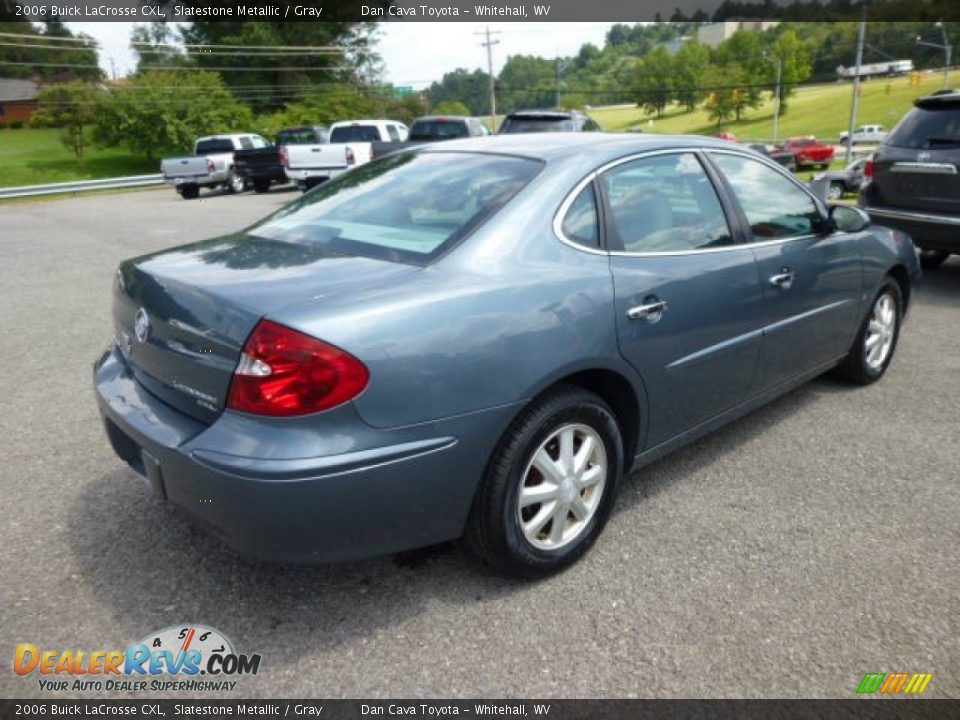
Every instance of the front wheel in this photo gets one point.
(550, 485)
(876, 342)
(932, 259)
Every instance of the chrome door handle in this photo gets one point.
(651, 312)
(784, 279)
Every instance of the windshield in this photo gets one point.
(213, 147)
(355, 133)
(537, 124)
(438, 129)
(923, 128)
(299, 136)
(405, 207)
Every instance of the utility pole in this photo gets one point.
(856, 84)
(776, 107)
(561, 67)
(113, 69)
(947, 51)
(488, 44)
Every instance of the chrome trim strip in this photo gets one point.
(804, 315)
(905, 215)
(924, 168)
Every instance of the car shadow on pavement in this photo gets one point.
(941, 286)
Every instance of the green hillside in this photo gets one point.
(821, 110)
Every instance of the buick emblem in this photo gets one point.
(141, 325)
(923, 156)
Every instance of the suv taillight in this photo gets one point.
(283, 372)
(284, 156)
(351, 158)
(868, 168)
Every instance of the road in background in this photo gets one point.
(785, 556)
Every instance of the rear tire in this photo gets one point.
(189, 192)
(236, 183)
(932, 259)
(876, 341)
(529, 522)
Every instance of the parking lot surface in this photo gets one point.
(785, 556)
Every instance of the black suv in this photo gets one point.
(534, 121)
(446, 127)
(913, 182)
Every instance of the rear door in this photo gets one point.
(811, 278)
(918, 166)
(689, 307)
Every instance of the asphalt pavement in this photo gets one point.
(785, 556)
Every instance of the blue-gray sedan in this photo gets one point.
(480, 339)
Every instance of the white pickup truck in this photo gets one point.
(865, 134)
(352, 143)
(211, 164)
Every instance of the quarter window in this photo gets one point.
(581, 223)
(394, 135)
(664, 203)
(775, 207)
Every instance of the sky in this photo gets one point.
(413, 54)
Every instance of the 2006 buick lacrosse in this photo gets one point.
(481, 338)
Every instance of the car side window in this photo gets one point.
(392, 131)
(664, 203)
(581, 224)
(246, 143)
(775, 207)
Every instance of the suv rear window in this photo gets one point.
(404, 207)
(298, 136)
(355, 133)
(927, 128)
(534, 124)
(213, 147)
(438, 129)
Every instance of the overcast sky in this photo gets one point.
(413, 53)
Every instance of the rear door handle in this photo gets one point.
(651, 311)
(784, 279)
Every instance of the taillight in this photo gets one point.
(868, 168)
(284, 156)
(351, 158)
(211, 166)
(283, 372)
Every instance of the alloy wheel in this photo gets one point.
(881, 331)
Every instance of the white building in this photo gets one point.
(715, 33)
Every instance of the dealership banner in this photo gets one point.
(430, 709)
(460, 10)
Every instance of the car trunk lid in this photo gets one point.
(182, 316)
(918, 179)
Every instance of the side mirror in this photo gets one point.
(849, 219)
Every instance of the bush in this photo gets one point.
(15, 124)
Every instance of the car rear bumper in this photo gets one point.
(930, 231)
(385, 491)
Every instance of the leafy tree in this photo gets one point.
(162, 110)
(405, 109)
(470, 87)
(689, 65)
(795, 64)
(72, 107)
(742, 57)
(450, 107)
(654, 89)
(527, 81)
(37, 59)
(155, 46)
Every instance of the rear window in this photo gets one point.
(438, 129)
(927, 128)
(406, 207)
(298, 136)
(355, 133)
(535, 124)
(213, 147)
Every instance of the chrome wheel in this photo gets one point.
(835, 191)
(881, 331)
(236, 183)
(562, 487)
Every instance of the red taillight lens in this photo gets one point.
(868, 168)
(351, 158)
(283, 372)
(284, 156)
(211, 166)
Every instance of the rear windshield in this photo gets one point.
(213, 147)
(537, 124)
(355, 133)
(438, 129)
(406, 207)
(925, 128)
(299, 136)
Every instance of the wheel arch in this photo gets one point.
(902, 277)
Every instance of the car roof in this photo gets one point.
(941, 98)
(554, 146)
(559, 114)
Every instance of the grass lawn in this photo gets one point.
(33, 157)
(821, 110)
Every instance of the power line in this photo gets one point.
(49, 38)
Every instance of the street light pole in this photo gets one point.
(776, 106)
(856, 84)
(561, 66)
(947, 51)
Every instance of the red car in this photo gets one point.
(727, 135)
(808, 151)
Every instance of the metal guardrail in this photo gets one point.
(80, 186)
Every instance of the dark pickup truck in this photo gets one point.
(264, 166)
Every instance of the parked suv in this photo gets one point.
(535, 121)
(913, 183)
(446, 127)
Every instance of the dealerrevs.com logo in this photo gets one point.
(184, 657)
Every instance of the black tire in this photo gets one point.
(835, 191)
(235, 183)
(494, 532)
(261, 186)
(932, 259)
(189, 192)
(855, 368)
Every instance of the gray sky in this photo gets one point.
(413, 53)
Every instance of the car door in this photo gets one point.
(687, 297)
(811, 276)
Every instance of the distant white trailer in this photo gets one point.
(890, 68)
